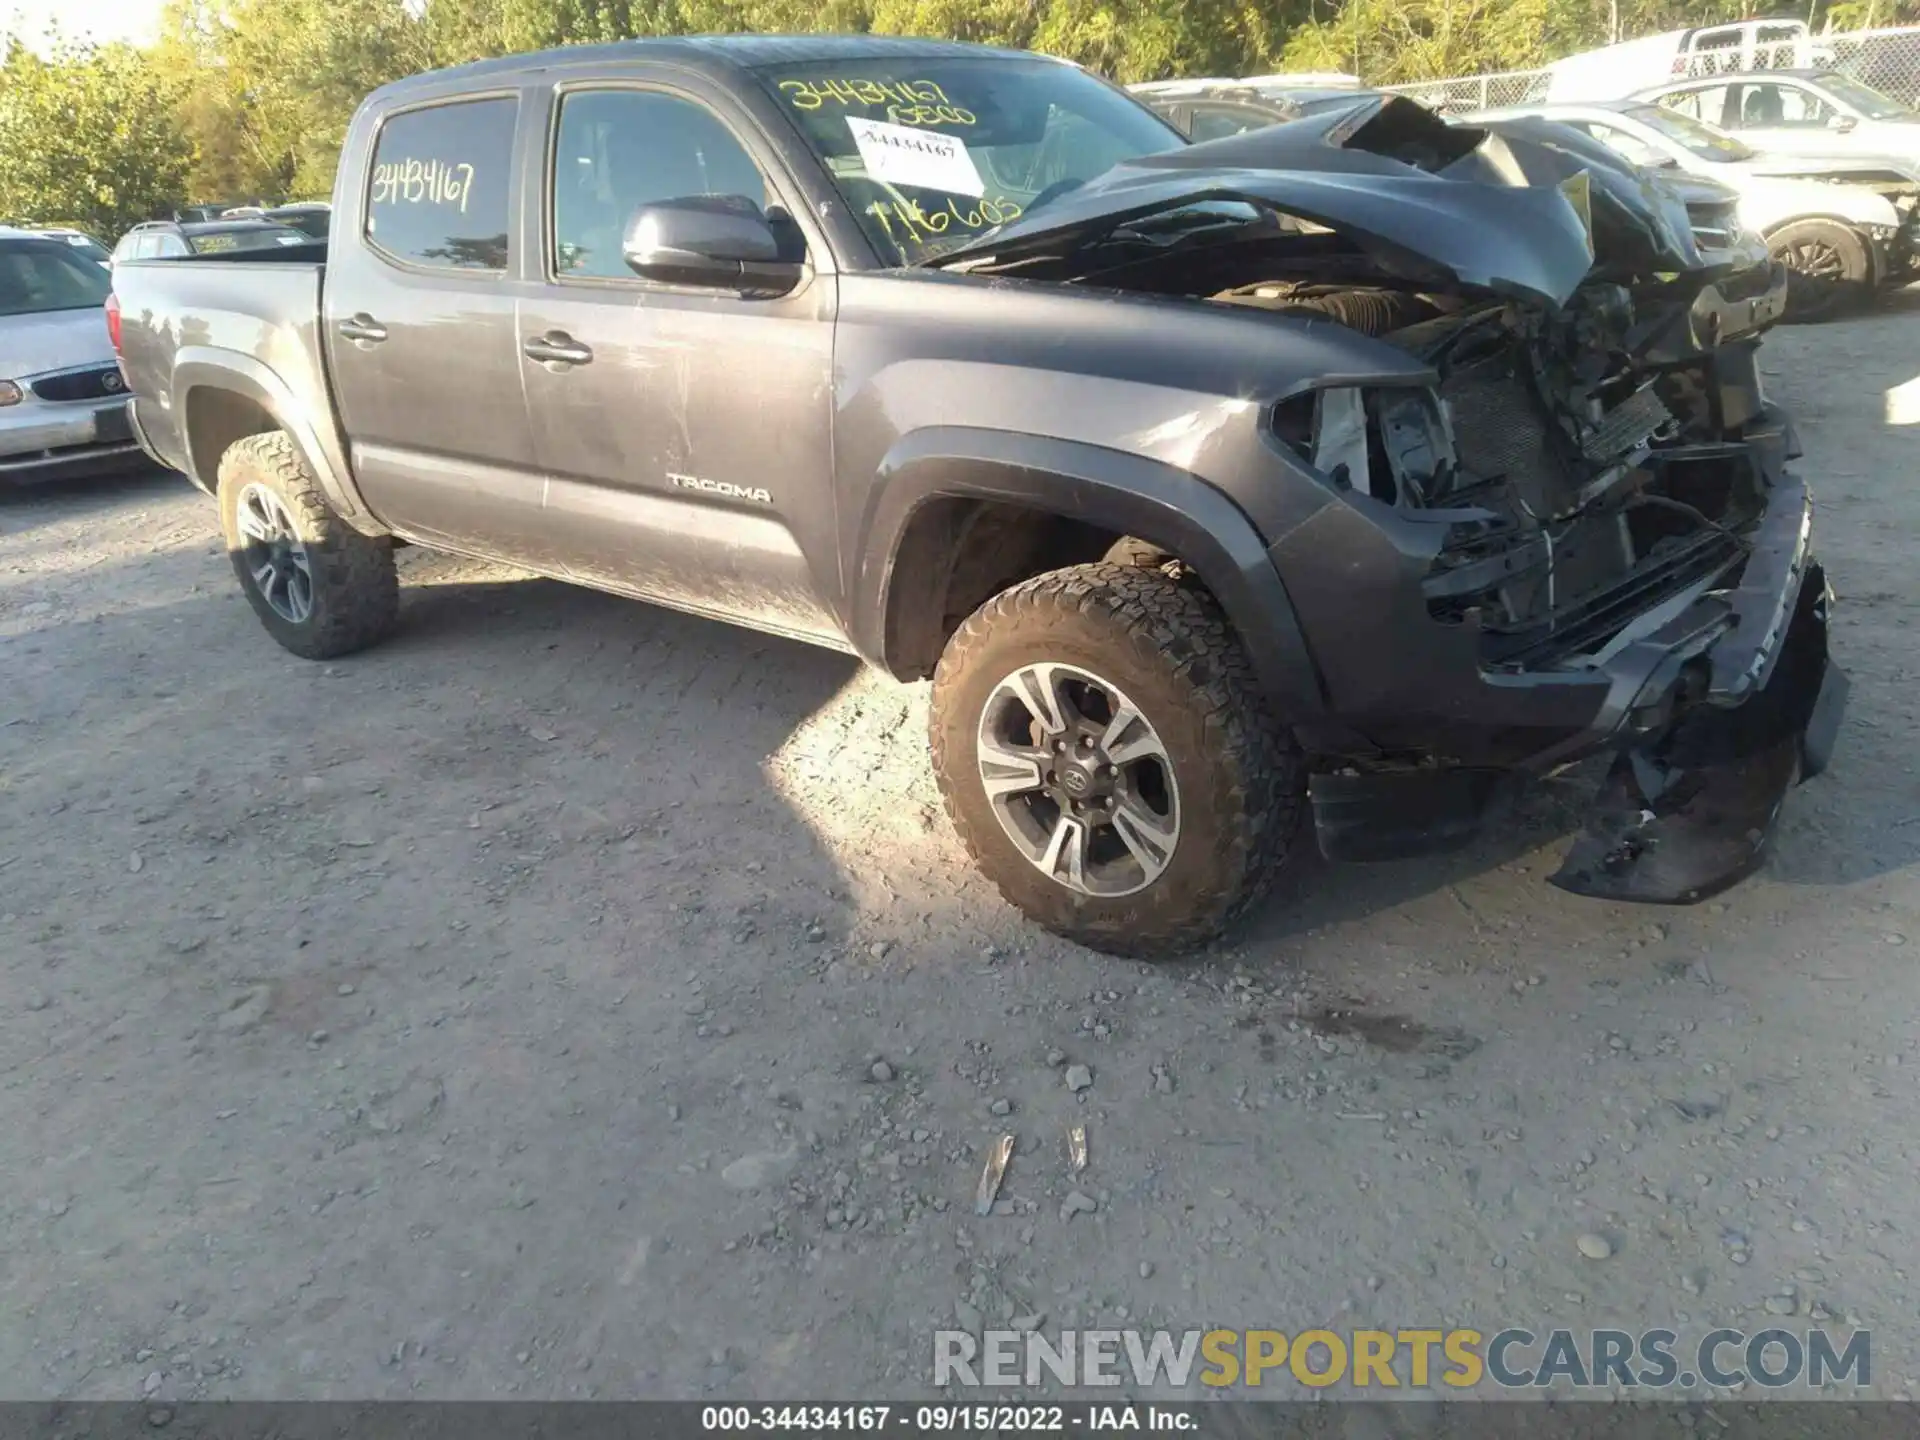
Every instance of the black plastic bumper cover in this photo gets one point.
(1684, 815)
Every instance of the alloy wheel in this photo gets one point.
(1079, 779)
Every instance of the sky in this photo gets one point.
(96, 20)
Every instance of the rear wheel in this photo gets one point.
(1829, 269)
(1109, 762)
(319, 586)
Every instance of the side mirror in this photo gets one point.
(720, 242)
(1841, 124)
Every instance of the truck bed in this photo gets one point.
(214, 317)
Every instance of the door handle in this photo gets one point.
(364, 329)
(556, 347)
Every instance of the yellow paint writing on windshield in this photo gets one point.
(907, 102)
(415, 182)
(907, 220)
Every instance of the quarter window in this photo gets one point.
(438, 193)
(620, 149)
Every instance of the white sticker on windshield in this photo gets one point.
(906, 156)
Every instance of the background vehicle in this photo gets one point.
(168, 239)
(1214, 109)
(312, 218)
(79, 240)
(1818, 112)
(1213, 517)
(63, 403)
(1615, 71)
(1839, 234)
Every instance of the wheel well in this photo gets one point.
(958, 553)
(215, 420)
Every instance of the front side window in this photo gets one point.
(617, 150)
(38, 276)
(930, 153)
(438, 192)
(1769, 106)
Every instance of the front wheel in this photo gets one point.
(1828, 267)
(1109, 761)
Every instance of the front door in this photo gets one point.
(685, 433)
(422, 335)
(1781, 115)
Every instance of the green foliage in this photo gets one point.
(89, 138)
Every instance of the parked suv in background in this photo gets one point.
(169, 239)
(63, 404)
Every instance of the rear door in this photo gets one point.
(688, 450)
(421, 334)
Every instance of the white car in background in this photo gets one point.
(63, 401)
(1797, 112)
(1843, 225)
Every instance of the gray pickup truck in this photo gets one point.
(1349, 467)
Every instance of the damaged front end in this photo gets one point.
(1577, 533)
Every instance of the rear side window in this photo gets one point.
(438, 193)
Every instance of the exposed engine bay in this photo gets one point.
(1589, 484)
(1585, 432)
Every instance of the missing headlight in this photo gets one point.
(1394, 444)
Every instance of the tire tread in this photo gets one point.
(1261, 783)
(356, 587)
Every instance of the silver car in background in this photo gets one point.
(63, 401)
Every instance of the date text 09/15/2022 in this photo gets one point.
(947, 1419)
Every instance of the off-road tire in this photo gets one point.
(1809, 299)
(1241, 779)
(355, 590)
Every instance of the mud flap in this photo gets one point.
(1687, 815)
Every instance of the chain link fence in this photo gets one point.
(1887, 59)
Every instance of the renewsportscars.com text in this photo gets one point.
(1416, 1359)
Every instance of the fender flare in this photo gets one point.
(199, 368)
(1125, 493)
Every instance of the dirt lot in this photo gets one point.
(571, 998)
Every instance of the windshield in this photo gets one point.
(1696, 136)
(930, 153)
(248, 237)
(1868, 101)
(37, 276)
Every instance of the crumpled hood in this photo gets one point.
(1420, 195)
(53, 340)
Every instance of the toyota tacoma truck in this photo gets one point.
(1330, 474)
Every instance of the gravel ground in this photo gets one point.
(576, 999)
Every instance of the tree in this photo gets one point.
(91, 137)
(269, 85)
